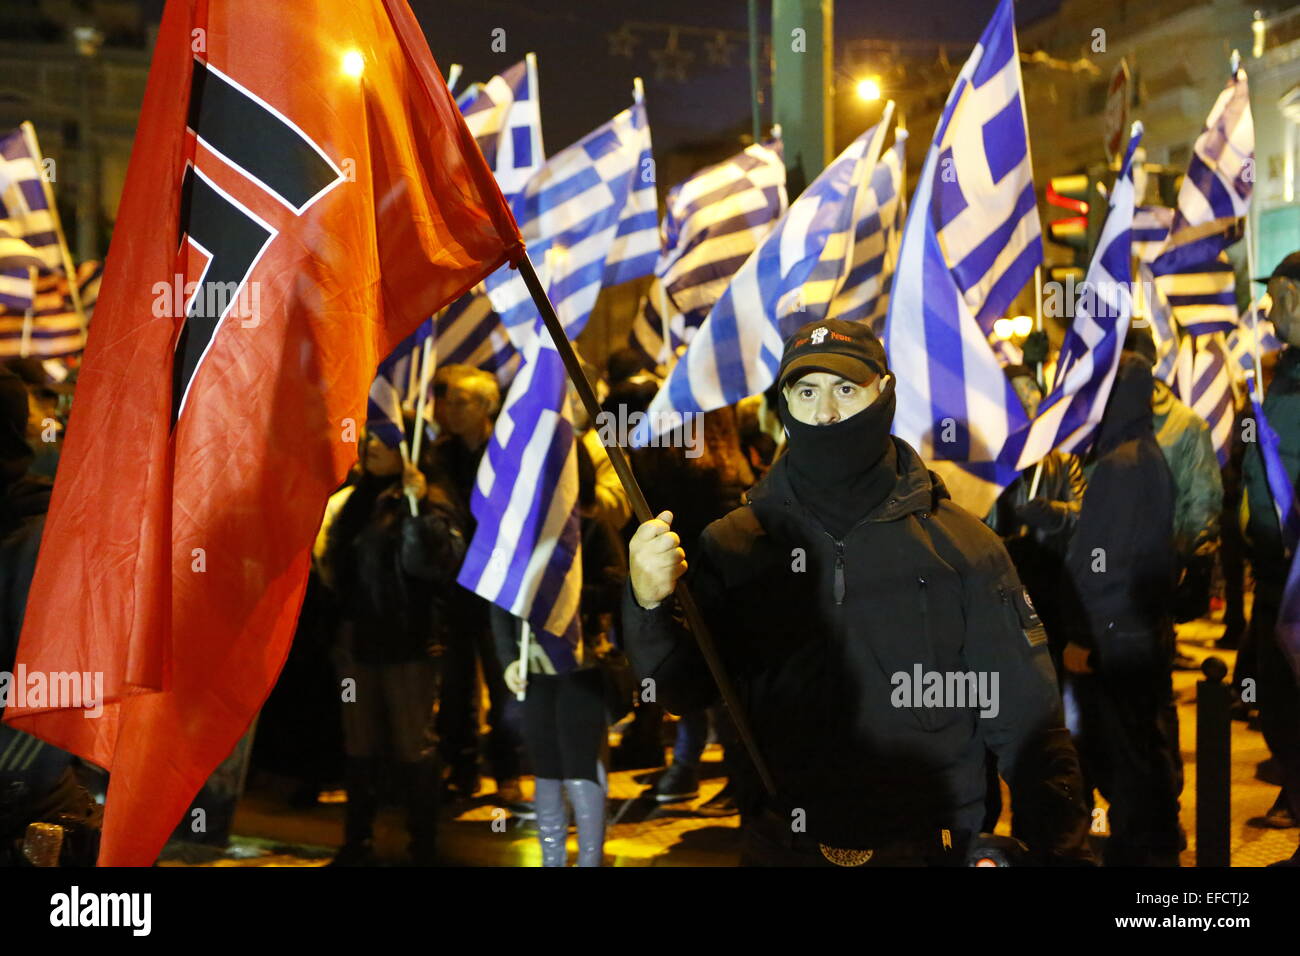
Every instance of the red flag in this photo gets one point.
(327, 197)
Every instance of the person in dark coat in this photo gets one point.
(1037, 531)
(840, 596)
(392, 573)
(1270, 555)
(1121, 571)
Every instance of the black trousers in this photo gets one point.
(1279, 696)
(1127, 752)
(565, 725)
(458, 713)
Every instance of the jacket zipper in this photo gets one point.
(839, 572)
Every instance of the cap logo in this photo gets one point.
(818, 335)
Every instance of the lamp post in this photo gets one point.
(88, 41)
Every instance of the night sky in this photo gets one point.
(583, 84)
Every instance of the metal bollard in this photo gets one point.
(1213, 765)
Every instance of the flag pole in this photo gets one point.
(524, 633)
(26, 345)
(410, 498)
(422, 402)
(623, 468)
(1038, 326)
(34, 147)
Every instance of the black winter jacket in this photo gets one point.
(813, 630)
(1121, 566)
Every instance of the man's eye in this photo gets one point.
(805, 393)
(847, 390)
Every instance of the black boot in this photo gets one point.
(420, 785)
(359, 821)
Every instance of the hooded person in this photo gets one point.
(1121, 569)
(877, 635)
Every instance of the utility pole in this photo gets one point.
(88, 41)
(802, 74)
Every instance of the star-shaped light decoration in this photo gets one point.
(621, 42)
(671, 61)
(719, 50)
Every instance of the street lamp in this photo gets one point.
(868, 89)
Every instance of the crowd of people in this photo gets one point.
(830, 564)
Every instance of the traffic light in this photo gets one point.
(1071, 194)
(1083, 196)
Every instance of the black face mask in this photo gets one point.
(841, 472)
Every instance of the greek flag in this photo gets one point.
(397, 386)
(1253, 332)
(1160, 321)
(789, 280)
(971, 242)
(29, 233)
(647, 333)
(1085, 368)
(712, 222)
(864, 297)
(525, 556)
(1151, 231)
(504, 115)
(1203, 379)
(590, 218)
(590, 215)
(26, 214)
(53, 328)
(1193, 271)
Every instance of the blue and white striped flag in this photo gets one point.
(526, 556)
(1203, 379)
(1085, 368)
(647, 333)
(17, 286)
(789, 280)
(1253, 332)
(712, 223)
(864, 296)
(504, 114)
(54, 328)
(590, 218)
(1193, 270)
(590, 215)
(29, 232)
(396, 387)
(25, 210)
(1151, 231)
(1160, 321)
(971, 242)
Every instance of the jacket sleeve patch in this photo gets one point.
(1030, 622)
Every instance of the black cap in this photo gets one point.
(848, 349)
(1288, 268)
